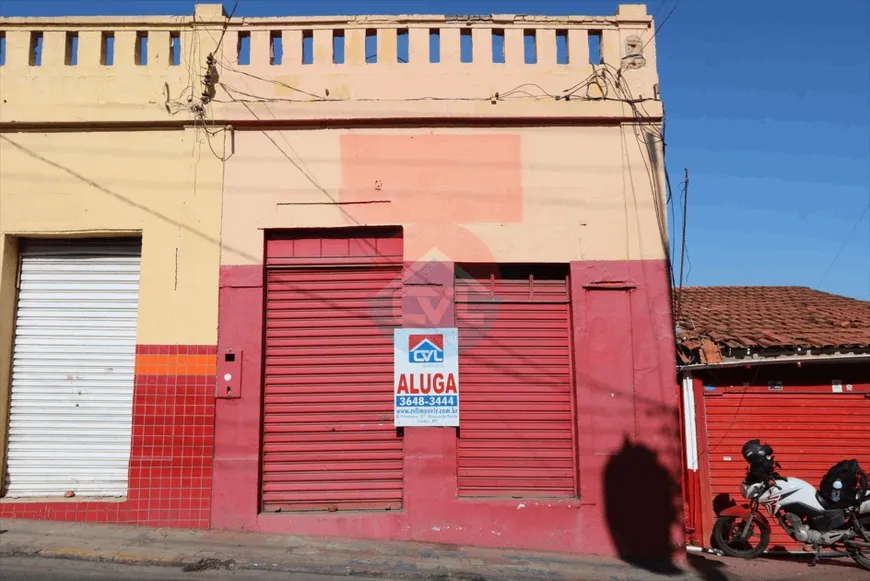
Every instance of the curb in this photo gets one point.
(193, 564)
(94, 557)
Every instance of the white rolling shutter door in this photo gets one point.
(73, 365)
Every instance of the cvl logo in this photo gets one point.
(426, 348)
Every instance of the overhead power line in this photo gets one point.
(685, 216)
(660, 26)
(845, 243)
(226, 25)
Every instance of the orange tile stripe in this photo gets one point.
(178, 364)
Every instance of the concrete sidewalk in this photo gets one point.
(203, 550)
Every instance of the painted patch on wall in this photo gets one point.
(433, 178)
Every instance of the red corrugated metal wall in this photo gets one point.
(516, 414)
(328, 439)
(809, 427)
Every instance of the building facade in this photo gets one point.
(266, 200)
(781, 364)
(110, 238)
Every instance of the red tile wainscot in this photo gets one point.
(170, 470)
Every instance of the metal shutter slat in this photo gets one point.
(734, 418)
(516, 421)
(329, 439)
(73, 364)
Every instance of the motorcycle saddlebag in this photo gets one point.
(854, 482)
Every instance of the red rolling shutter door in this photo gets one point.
(329, 440)
(809, 431)
(516, 420)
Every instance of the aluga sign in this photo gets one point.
(426, 377)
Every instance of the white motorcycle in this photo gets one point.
(805, 514)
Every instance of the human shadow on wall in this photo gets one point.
(640, 506)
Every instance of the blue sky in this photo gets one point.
(768, 105)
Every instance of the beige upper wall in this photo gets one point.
(165, 184)
(585, 193)
(586, 190)
(159, 91)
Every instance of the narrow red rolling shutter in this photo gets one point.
(329, 440)
(516, 420)
(791, 422)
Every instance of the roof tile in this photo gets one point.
(765, 317)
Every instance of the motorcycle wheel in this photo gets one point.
(727, 528)
(862, 556)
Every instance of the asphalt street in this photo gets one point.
(32, 569)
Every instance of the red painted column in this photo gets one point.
(236, 481)
(628, 421)
(430, 453)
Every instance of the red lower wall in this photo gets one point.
(628, 431)
(170, 476)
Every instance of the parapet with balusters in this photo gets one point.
(275, 69)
